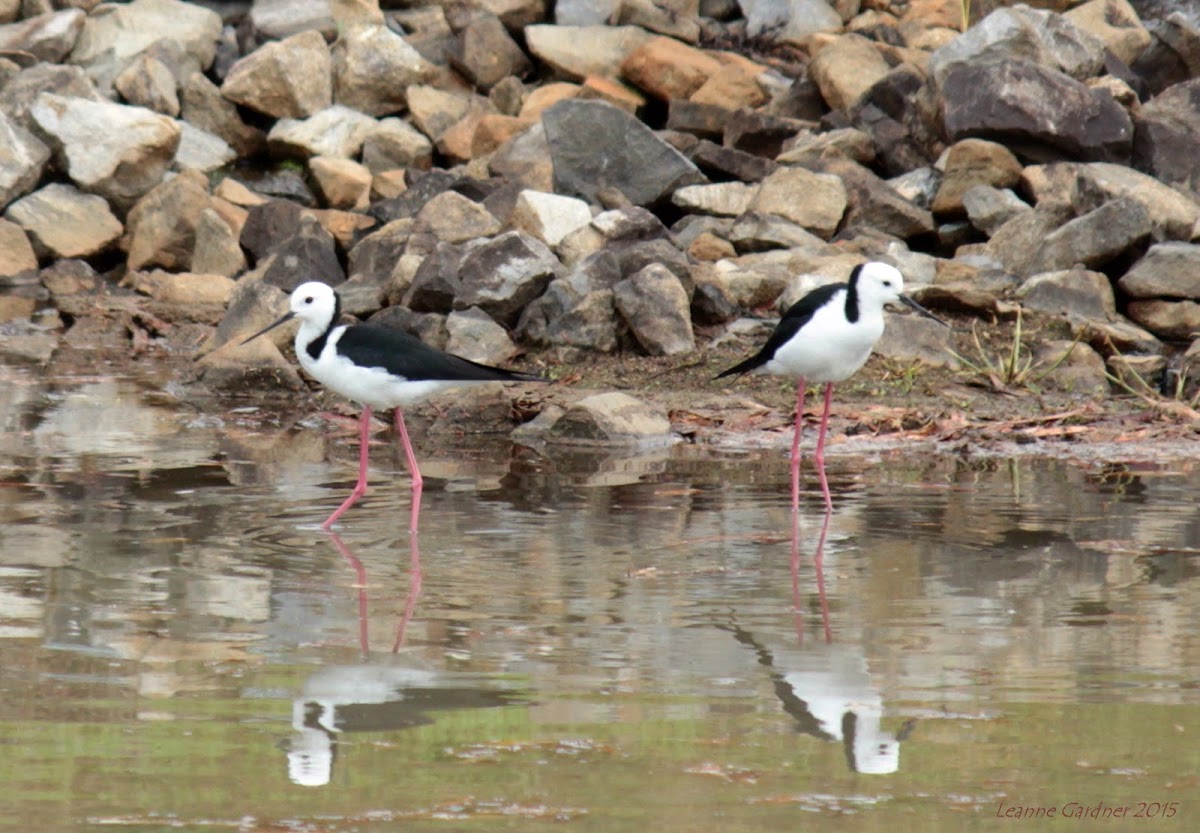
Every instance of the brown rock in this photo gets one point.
(974, 162)
(667, 69)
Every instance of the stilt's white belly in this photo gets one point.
(371, 386)
(826, 350)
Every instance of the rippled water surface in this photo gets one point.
(576, 641)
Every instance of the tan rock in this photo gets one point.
(453, 218)
(974, 162)
(542, 97)
(217, 251)
(62, 221)
(846, 68)
(1116, 23)
(435, 111)
(733, 86)
(813, 201)
(16, 252)
(667, 69)
(614, 92)
(575, 52)
(386, 185)
(291, 78)
(549, 217)
(162, 225)
(343, 183)
(237, 193)
(494, 130)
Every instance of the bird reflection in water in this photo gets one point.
(383, 693)
(825, 687)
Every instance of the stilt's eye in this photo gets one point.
(308, 300)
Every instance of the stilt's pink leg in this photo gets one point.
(418, 483)
(796, 445)
(360, 488)
(820, 455)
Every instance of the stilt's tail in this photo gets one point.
(749, 364)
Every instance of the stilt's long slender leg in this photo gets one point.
(820, 455)
(418, 483)
(796, 445)
(360, 488)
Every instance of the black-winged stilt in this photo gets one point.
(827, 336)
(377, 367)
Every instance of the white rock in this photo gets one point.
(200, 150)
(23, 157)
(549, 217)
(335, 131)
(121, 161)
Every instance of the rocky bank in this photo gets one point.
(617, 193)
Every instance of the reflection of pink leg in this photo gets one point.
(819, 568)
(360, 488)
(361, 583)
(418, 484)
(796, 445)
(796, 611)
(820, 455)
(414, 588)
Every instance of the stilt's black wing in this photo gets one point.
(401, 354)
(799, 314)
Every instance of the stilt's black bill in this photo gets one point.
(904, 299)
(270, 327)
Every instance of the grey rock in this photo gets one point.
(1034, 35)
(372, 69)
(428, 326)
(335, 131)
(376, 255)
(437, 280)
(288, 79)
(791, 21)
(1075, 292)
(1018, 242)
(611, 418)
(148, 82)
(475, 336)
(216, 251)
(1166, 130)
(595, 146)
(23, 158)
(120, 163)
(267, 224)
(280, 19)
(755, 232)
(525, 160)
(989, 208)
(62, 221)
(873, 205)
(656, 307)
(584, 12)
(308, 254)
(453, 218)
(1095, 238)
(577, 309)
(203, 107)
(1071, 367)
(1041, 113)
(1167, 270)
(394, 143)
(504, 275)
(485, 54)
(1141, 373)
(635, 255)
(910, 338)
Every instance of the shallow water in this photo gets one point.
(592, 641)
